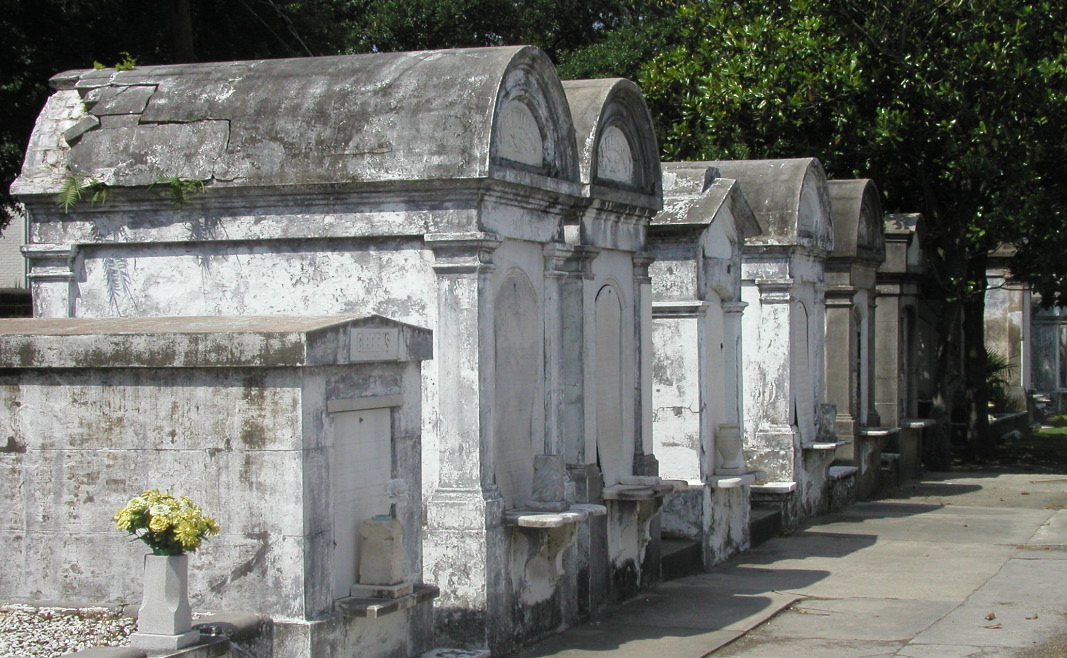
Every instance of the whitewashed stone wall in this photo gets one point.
(782, 281)
(904, 359)
(240, 414)
(859, 249)
(697, 356)
(445, 199)
(606, 437)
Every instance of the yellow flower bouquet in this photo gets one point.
(169, 525)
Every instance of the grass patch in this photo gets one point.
(1043, 449)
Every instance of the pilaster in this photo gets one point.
(51, 278)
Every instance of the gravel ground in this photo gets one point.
(29, 632)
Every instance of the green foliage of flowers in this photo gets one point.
(169, 525)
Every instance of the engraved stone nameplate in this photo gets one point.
(373, 345)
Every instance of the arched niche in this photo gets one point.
(617, 145)
(800, 372)
(532, 127)
(859, 227)
(614, 444)
(615, 158)
(517, 375)
(814, 222)
(858, 372)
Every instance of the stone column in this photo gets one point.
(873, 418)
(577, 435)
(51, 277)
(888, 377)
(644, 461)
(770, 444)
(732, 360)
(842, 378)
(464, 514)
(556, 256)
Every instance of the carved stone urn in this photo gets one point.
(728, 442)
(165, 620)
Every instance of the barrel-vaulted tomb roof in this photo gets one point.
(617, 147)
(789, 198)
(376, 118)
(856, 208)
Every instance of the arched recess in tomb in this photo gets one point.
(801, 374)
(532, 129)
(614, 445)
(907, 387)
(858, 388)
(518, 371)
(617, 147)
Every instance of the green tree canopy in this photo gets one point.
(955, 108)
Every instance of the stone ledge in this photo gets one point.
(109, 652)
(775, 488)
(456, 653)
(916, 423)
(230, 625)
(206, 648)
(373, 608)
(878, 431)
(731, 481)
(642, 487)
(526, 518)
(823, 445)
(841, 472)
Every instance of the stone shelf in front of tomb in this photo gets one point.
(823, 445)
(731, 481)
(528, 518)
(642, 487)
(373, 608)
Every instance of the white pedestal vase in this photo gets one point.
(728, 442)
(165, 620)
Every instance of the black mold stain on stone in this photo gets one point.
(625, 581)
(13, 446)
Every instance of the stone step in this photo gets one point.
(680, 557)
(763, 523)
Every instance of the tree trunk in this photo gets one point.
(976, 393)
(181, 20)
(937, 451)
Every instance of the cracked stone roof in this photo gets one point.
(323, 120)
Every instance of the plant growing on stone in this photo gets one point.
(75, 187)
(128, 63)
(169, 525)
(180, 190)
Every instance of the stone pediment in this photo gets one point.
(694, 196)
(356, 119)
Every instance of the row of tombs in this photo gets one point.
(452, 269)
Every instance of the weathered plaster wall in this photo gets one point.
(234, 413)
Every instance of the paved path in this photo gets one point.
(959, 564)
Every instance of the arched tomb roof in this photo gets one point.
(365, 119)
(694, 193)
(856, 208)
(617, 147)
(789, 199)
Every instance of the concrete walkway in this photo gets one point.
(959, 564)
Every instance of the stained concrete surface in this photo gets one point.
(953, 565)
